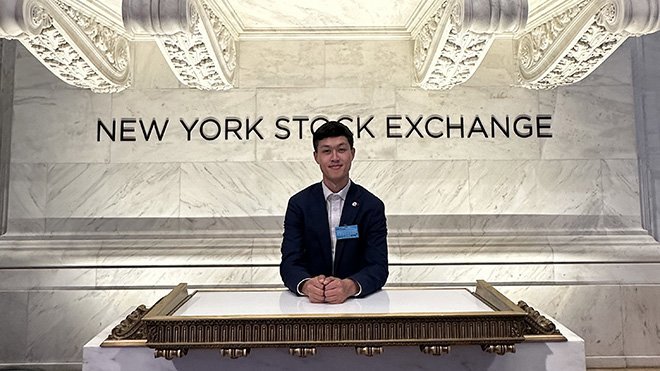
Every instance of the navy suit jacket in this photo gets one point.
(306, 246)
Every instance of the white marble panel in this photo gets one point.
(593, 312)
(155, 276)
(503, 187)
(34, 253)
(27, 198)
(29, 73)
(332, 103)
(569, 187)
(150, 69)
(238, 226)
(498, 68)
(616, 70)
(13, 321)
(621, 187)
(23, 279)
(190, 105)
(621, 273)
(362, 63)
(469, 102)
(100, 224)
(641, 320)
(55, 126)
(419, 225)
(467, 274)
(175, 252)
(536, 187)
(61, 322)
(276, 63)
(242, 189)
(417, 187)
(535, 224)
(259, 14)
(591, 123)
(113, 190)
(463, 249)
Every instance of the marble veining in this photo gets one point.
(13, 306)
(641, 325)
(277, 63)
(242, 189)
(27, 197)
(593, 312)
(620, 187)
(416, 187)
(58, 319)
(254, 14)
(595, 122)
(113, 190)
(58, 126)
(368, 63)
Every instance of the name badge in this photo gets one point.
(345, 232)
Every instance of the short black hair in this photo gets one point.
(332, 129)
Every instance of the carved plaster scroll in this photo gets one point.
(452, 43)
(73, 45)
(567, 48)
(198, 46)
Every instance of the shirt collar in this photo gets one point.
(327, 192)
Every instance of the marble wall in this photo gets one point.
(65, 179)
(7, 61)
(98, 227)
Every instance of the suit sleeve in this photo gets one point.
(293, 266)
(373, 275)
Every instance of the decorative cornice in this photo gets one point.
(573, 44)
(454, 40)
(70, 43)
(132, 327)
(198, 46)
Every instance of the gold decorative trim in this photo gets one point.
(435, 350)
(234, 353)
(170, 354)
(499, 349)
(302, 352)
(536, 323)
(369, 351)
(132, 327)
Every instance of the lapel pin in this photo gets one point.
(354, 204)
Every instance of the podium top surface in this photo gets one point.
(387, 302)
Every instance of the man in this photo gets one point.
(335, 233)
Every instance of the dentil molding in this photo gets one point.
(571, 45)
(72, 44)
(193, 37)
(454, 40)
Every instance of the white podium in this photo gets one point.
(272, 305)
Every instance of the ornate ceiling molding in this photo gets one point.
(454, 40)
(70, 43)
(567, 48)
(196, 42)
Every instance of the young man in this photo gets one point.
(335, 233)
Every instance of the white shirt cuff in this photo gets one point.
(300, 285)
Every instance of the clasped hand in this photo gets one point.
(322, 289)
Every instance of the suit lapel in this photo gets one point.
(348, 214)
(321, 212)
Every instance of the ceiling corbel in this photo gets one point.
(198, 46)
(69, 42)
(567, 48)
(455, 38)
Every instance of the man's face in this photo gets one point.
(334, 156)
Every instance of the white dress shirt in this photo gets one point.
(334, 205)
